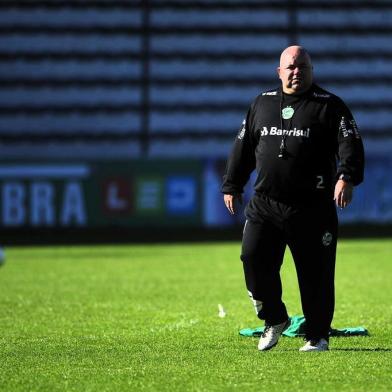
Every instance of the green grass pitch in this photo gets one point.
(145, 317)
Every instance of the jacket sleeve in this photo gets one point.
(241, 161)
(351, 159)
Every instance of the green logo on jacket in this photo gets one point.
(287, 112)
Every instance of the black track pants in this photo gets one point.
(311, 234)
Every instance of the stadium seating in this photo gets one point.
(128, 79)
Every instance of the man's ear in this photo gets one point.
(278, 71)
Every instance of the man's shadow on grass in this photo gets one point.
(386, 349)
(365, 349)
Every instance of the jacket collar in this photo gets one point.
(305, 94)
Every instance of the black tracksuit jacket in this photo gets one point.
(321, 142)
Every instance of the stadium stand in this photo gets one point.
(123, 79)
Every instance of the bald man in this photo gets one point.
(305, 146)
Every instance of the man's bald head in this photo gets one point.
(295, 51)
(295, 70)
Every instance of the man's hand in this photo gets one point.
(230, 202)
(343, 193)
